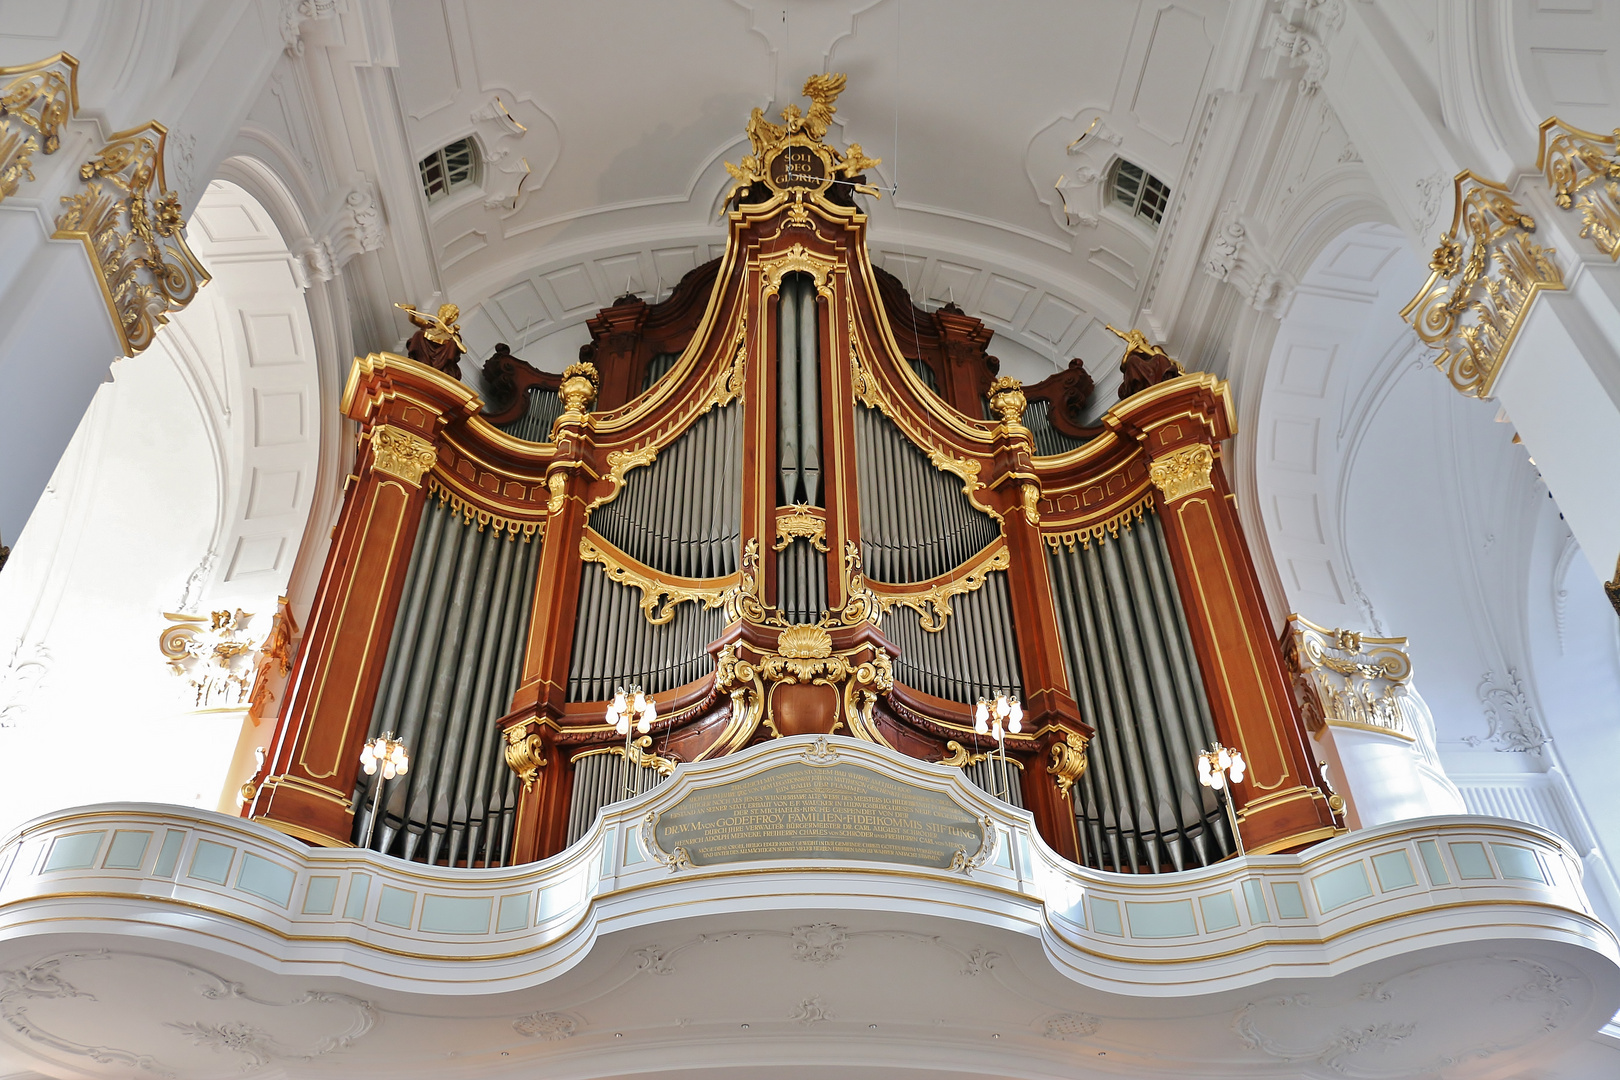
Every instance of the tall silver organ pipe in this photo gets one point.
(535, 423)
(1048, 439)
(801, 582)
(798, 394)
(915, 522)
(1133, 671)
(615, 645)
(974, 656)
(453, 662)
(682, 515)
(600, 778)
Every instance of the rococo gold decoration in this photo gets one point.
(213, 654)
(933, 605)
(862, 604)
(577, 391)
(1102, 530)
(791, 157)
(1484, 276)
(743, 601)
(658, 596)
(803, 656)
(35, 101)
(1068, 761)
(471, 512)
(401, 453)
(959, 756)
(641, 754)
(524, 755)
(130, 223)
(1583, 168)
(1182, 472)
(619, 463)
(799, 520)
(1008, 401)
(1342, 678)
(728, 385)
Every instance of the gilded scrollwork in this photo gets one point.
(131, 225)
(803, 656)
(658, 596)
(1183, 471)
(933, 604)
(801, 259)
(729, 383)
(1343, 678)
(1068, 763)
(619, 463)
(401, 453)
(743, 601)
(1583, 169)
(959, 756)
(35, 101)
(861, 603)
(800, 520)
(1483, 278)
(524, 755)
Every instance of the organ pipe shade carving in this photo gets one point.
(915, 522)
(682, 515)
(1132, 669)
(614, 643)
(453, 662)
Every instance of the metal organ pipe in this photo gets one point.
(974, 656)
(809, 361)
(787, 387)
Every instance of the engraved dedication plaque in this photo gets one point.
(842, 811)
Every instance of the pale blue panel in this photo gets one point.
(320, 896)
(1432, 862)
(1517, 862)
(75, 851)
(1290, 901)
(607, 853)
(455, 914)
(1170, 918)
(632, 849)
(1345, 885)
(169, 854)
(1394, 870)
(513, 914)
(556, 899)
(211, 862)
(1105, 917)
(1220, 911)
(1472, 862)
(265, 879)
(127, 850)
(354, 907)
(1255, 898)
(395, 906)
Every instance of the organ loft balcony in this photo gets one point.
(780, 690)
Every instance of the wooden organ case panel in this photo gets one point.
(755, 504)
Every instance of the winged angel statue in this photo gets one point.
(764, 136)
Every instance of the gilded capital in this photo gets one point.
(1583, 170)
(401, 453)
(1182, 472)
(1068, 762)
(35, 101)
(524, 755)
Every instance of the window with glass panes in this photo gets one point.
(445, 170)
(1140, 192)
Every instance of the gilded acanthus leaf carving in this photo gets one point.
(401, 453)
(800, 521)
(130, 223)
(658, 597)
(1182, 472)
(933, 605)
(1484, 275)
(35, 101)
(1583, 169)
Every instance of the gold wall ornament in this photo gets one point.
(1007, 400)
(658, 595)
(1182, 472)
(933, 604)
(1068, 761)
(213, 654)
(1100, 531)
(861, 603)
(274, 660)
(1583, 169)
(130, 223)
(35, 101)
(1342, 678)
(578, 393)
(471, 512)
(1483, 278)
(796, 521)
(525, 755)
(619, 463)
(791, 156)
(744, 602)
(401, 453)
(557, 484)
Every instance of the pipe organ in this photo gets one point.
(783, 501)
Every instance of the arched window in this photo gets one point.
(447, 169)
(1138, 191)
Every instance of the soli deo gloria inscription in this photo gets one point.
(842, 811)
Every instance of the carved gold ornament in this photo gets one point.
(1182, 472)
(641, 754)
(1484, 275)
(933, 605)
(130, 223)
(1029, 497)
(797, 259)
(959, 757)
(791, 156)
(401, 453)
(1007, 400)
(619, 463)
(1611, 588)
(557, 484)
(524, 755)
(862, 604)
(214, 655)
(729, 383)
(799, 520)
(1583, 169)
(743, 601)
(658, 595)
(577, 391)
(1068, 761)
(472, 512)
(1102, 530)
(35, 101)
(1344, 679)
(803, 656)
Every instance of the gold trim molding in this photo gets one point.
(129, 222)
(800, 520)
(471, 512)
(1103, 530)
(1583, 169)
(933, 604)
(39, 98)
(1182, 472)
(401, 453)
(1484, 276)
(659, 596)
